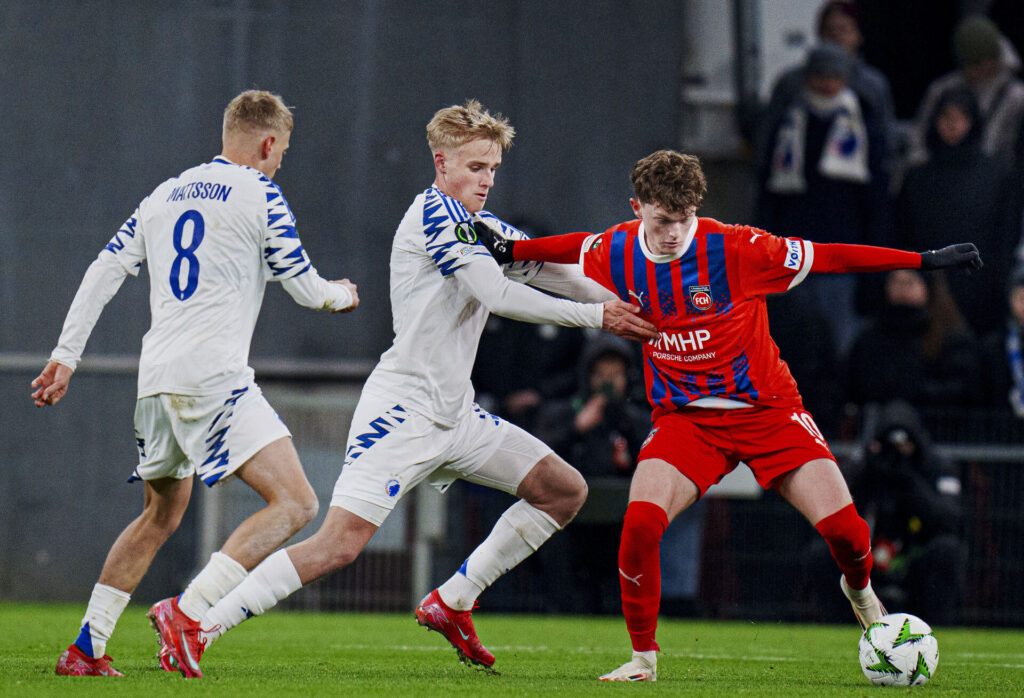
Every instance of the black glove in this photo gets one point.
(963, 255)
(499, 247)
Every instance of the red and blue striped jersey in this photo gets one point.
(709, 305)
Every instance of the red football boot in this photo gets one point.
(457, 628)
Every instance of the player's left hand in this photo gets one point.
(499, 247)
(963, 255)
(51, 385)
(352, 289)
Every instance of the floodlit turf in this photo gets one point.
(389, 655)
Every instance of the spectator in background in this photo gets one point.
(545, 367)
(821, 176)
(1004, 361)
(988, 66)
(918, 349)
(598, 429)
(839, 22)
(911, 498)
(961, 188)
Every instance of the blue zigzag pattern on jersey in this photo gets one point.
(285, 239)
(116, 244)
(438, 210)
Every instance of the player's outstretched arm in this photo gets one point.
(51, 385)
(840, 258)
(563, 249)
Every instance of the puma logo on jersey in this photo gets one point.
(635, 580)
(639, 296)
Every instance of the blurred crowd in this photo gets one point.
(834, 163)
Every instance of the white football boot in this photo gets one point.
(642, 667)
(866, 605)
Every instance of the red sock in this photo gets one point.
(849, 539)
(640, 571)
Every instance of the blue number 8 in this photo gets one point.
(186, 253)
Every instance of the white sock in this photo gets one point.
(221, 575)
(518, 533)
(651, 657)
(272, 580)
(105, 606)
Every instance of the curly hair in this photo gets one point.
(671, 180)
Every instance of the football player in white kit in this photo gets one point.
(416, 420)
(212, 237)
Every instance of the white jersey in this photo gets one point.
(212, 237)
(438, 320)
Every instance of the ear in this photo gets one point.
(635, 205)
(266, 145)
(439, 162)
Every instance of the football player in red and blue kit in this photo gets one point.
(720, 393)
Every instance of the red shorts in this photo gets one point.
(706, 444)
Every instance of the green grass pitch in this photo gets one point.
(290, 653)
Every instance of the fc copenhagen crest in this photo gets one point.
(700, 297)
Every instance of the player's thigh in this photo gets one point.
(220, 433)
(817, 489)
(660, 482)
(499, 454)
(389, 452)
(275, 472)
(160, 455)
(693, 446)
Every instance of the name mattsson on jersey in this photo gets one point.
(200, 190)
(682, 346)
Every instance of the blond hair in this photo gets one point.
(456, 125)
(671, 180)
(255, 111)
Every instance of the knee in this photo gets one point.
(303, 510)
(298, 509)
(846, 531)
(575, 493)
(644, 523)
(162, 521)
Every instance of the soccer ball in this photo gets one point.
(899, 650)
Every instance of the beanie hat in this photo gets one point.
(828, 59)
(976, 40)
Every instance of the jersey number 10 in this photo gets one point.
(186, 254)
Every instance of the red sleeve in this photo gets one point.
(838, 258)
(561, 249)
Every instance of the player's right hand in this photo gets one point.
(622, 319)
(351, 289)
(51, 385)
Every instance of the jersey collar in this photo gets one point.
(662, 258)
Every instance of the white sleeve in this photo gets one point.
(313, 291)
(569, 281)
(482, 276)
(101, 281)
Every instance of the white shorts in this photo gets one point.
(391, 450)
(209, 435)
